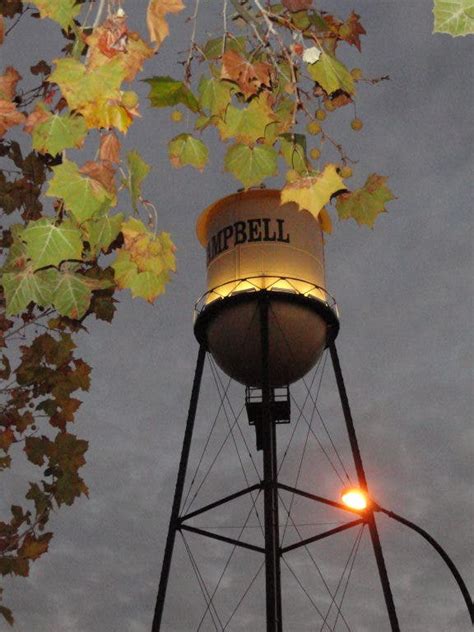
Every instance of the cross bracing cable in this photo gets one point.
(236, 419)
(202, 585)
(221, 447)
(297, 478)
(341, 578)
(204, 449)
(295, 426)
(228, 562)
(349, 576)
(239, 603)
(308, 390)
(315, 564)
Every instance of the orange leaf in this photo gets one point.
(32, 547)
(106, 42)
(351, 30)
(102, 172)
(9, 116)
(249, 77)
(2, 29)
(157, 25)
(6, 439)
(109, 147)
(297, 5)
(39, 115)
(8, 83)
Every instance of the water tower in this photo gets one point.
(266, 318)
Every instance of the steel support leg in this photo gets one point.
(374, 535)
(270, 479)
(178, 494)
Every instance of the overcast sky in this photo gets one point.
(405, 296)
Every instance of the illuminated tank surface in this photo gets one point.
(253, 244)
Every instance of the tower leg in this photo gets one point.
(374, 534)
(270, 479)
(178, 494)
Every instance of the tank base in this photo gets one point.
(300, 328)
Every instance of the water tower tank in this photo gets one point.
(254, 245)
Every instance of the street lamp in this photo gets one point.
(355, 498)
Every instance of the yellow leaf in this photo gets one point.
(157, 25)
(312, 193)
(325, 221)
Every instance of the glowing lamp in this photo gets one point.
(355, 498)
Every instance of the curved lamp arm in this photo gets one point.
(441, 551)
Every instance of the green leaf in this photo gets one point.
(58, 133)
(213, 48)
(61, 11)
(73, 293)
(251, 165)
(331, 74)
(100, 233)
(365, 204)
(249, 124)
(21, 288)
(455, 17)
(81, 86)
(84, 197)
(187, 150)
(148, 285)
(48, 244)
(293, 149)
(166, 92)
(215, 95)
(138, 170)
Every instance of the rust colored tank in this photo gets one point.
(253, 245)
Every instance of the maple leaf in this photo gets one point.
(351, 30)
(61, 11)
(109, 147)
(83, 197)
(100, 233)
(166, 92)
(297, 5)
(331, 74)
(26, 286)
(108, 113)
(313, 192)
(455, 17)
(102, 172)
(138, 170)
(186, 150)
(251, 165)
(89, 90)
(365, 204)
(249, 77)
(155, 18)
(111, 40)
(49, 245)
(9, 116)
(145, 261)
(215, 95)
(247, 125)
(73, 292)
(51, 133)
(8, 82)
(213, 48)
